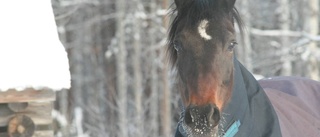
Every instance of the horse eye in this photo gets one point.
(232, 45)
(177, 46)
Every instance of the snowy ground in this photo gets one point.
(31, 54)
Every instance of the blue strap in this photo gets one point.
(233, 129)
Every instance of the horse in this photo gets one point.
(220, 97)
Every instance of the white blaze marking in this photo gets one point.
(202, 29)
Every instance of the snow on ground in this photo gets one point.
(31, 54)
(258, 76)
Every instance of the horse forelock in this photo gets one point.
(192, 12)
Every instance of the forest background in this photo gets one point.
(122, 85)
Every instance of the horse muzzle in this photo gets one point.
(202, 119)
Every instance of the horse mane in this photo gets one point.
(194, 11)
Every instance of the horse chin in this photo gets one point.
(197, 132)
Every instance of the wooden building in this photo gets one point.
(26, 113)
(33, 65)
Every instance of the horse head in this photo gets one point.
(201, 45)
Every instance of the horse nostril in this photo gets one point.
(187, 117)
(207, 115)
(215, 116)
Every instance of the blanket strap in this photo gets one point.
(233, 129)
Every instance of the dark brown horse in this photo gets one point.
(220, 97)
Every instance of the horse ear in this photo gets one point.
(229, 4)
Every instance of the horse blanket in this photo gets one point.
(296, 101)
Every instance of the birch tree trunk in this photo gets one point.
(246, 54)
(121, 69)
(313, 23)
(63, 97)
(166, 107)
(99, 82)
(137, 69)
(285, 26)
(154, 109)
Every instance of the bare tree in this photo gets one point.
(166, 98)
(154, 102)
(245, 51)
(121, 56)
(138, 89)
(312, 25)
(285, 26)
